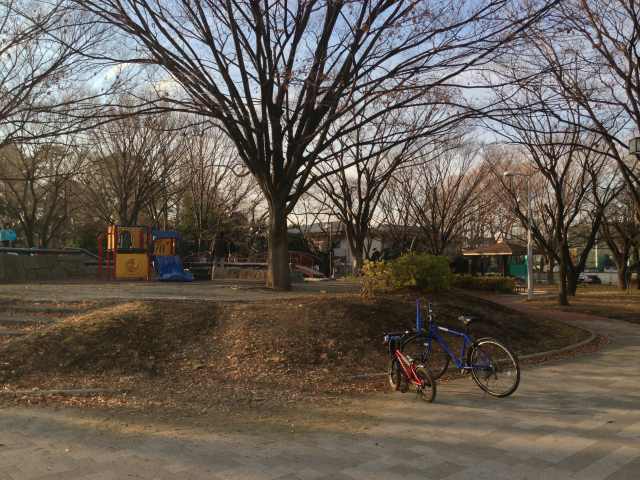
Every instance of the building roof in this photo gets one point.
(501, 247)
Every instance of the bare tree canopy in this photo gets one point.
(135, 162)
(281, 77)
(585, 53)
(444, 194)
(571, 193)
(364, 165)
(48, 87)
(214, 180)
(38, 190)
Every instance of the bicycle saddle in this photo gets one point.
(467, 320)
(396, 334)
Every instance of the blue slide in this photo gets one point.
(170, 269)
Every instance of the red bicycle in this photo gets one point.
(405, 371)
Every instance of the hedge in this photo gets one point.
(421, 270)
(491, 284)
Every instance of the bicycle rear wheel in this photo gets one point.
(427, 391)
(494, 367)
(394, 372)
(427, 352)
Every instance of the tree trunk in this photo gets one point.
(357, 252)
(355, 240)
(551, 264)
(636, 254)
(29, 236)
(278, 276)
(572, 282)
(623, 277)
(563, 281)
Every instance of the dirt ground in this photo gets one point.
(221, 359)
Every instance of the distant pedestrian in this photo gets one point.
(218, 252)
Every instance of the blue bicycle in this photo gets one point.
(493, 367)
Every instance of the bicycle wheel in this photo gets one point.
(429, 353)
(394, 372)
(427, 390)
(494, 368)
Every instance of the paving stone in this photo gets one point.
(563, 423)
(630, 471)
(611, 464)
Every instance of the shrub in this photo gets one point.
(426, 272)
(376, 277)
(491, 284)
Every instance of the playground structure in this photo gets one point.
(136, 252)
(139, 253)
(127, 255)
(168, 265)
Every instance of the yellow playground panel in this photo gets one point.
(132, 266)
(128, 249)
(164, 247)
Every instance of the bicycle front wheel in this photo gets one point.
(428, 352)
(427, 390)
(494, 367)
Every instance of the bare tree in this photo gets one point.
(570, 166)
(398, 230)
(279, 77)
(46, 80)
(135, 160)
(214, 178)
(313, 214)
(38, 187)
(621, 231)
(491, 219)
(364, 167)
(445, 194)
(510, 197)
(590, 48)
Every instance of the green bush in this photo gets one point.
(426, 272)
(490, 284)
(376, 277)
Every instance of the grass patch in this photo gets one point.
(601, 300)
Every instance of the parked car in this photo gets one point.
(589, 279)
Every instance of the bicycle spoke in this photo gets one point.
(494, 368)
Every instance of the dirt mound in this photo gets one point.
(131, 337)
(190, 356)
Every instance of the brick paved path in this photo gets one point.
(575, 419)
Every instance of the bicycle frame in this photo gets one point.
(408, 368)
(433, 333)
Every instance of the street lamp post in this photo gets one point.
(529, 236)
(634, 149)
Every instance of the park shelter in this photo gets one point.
(504, 257)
